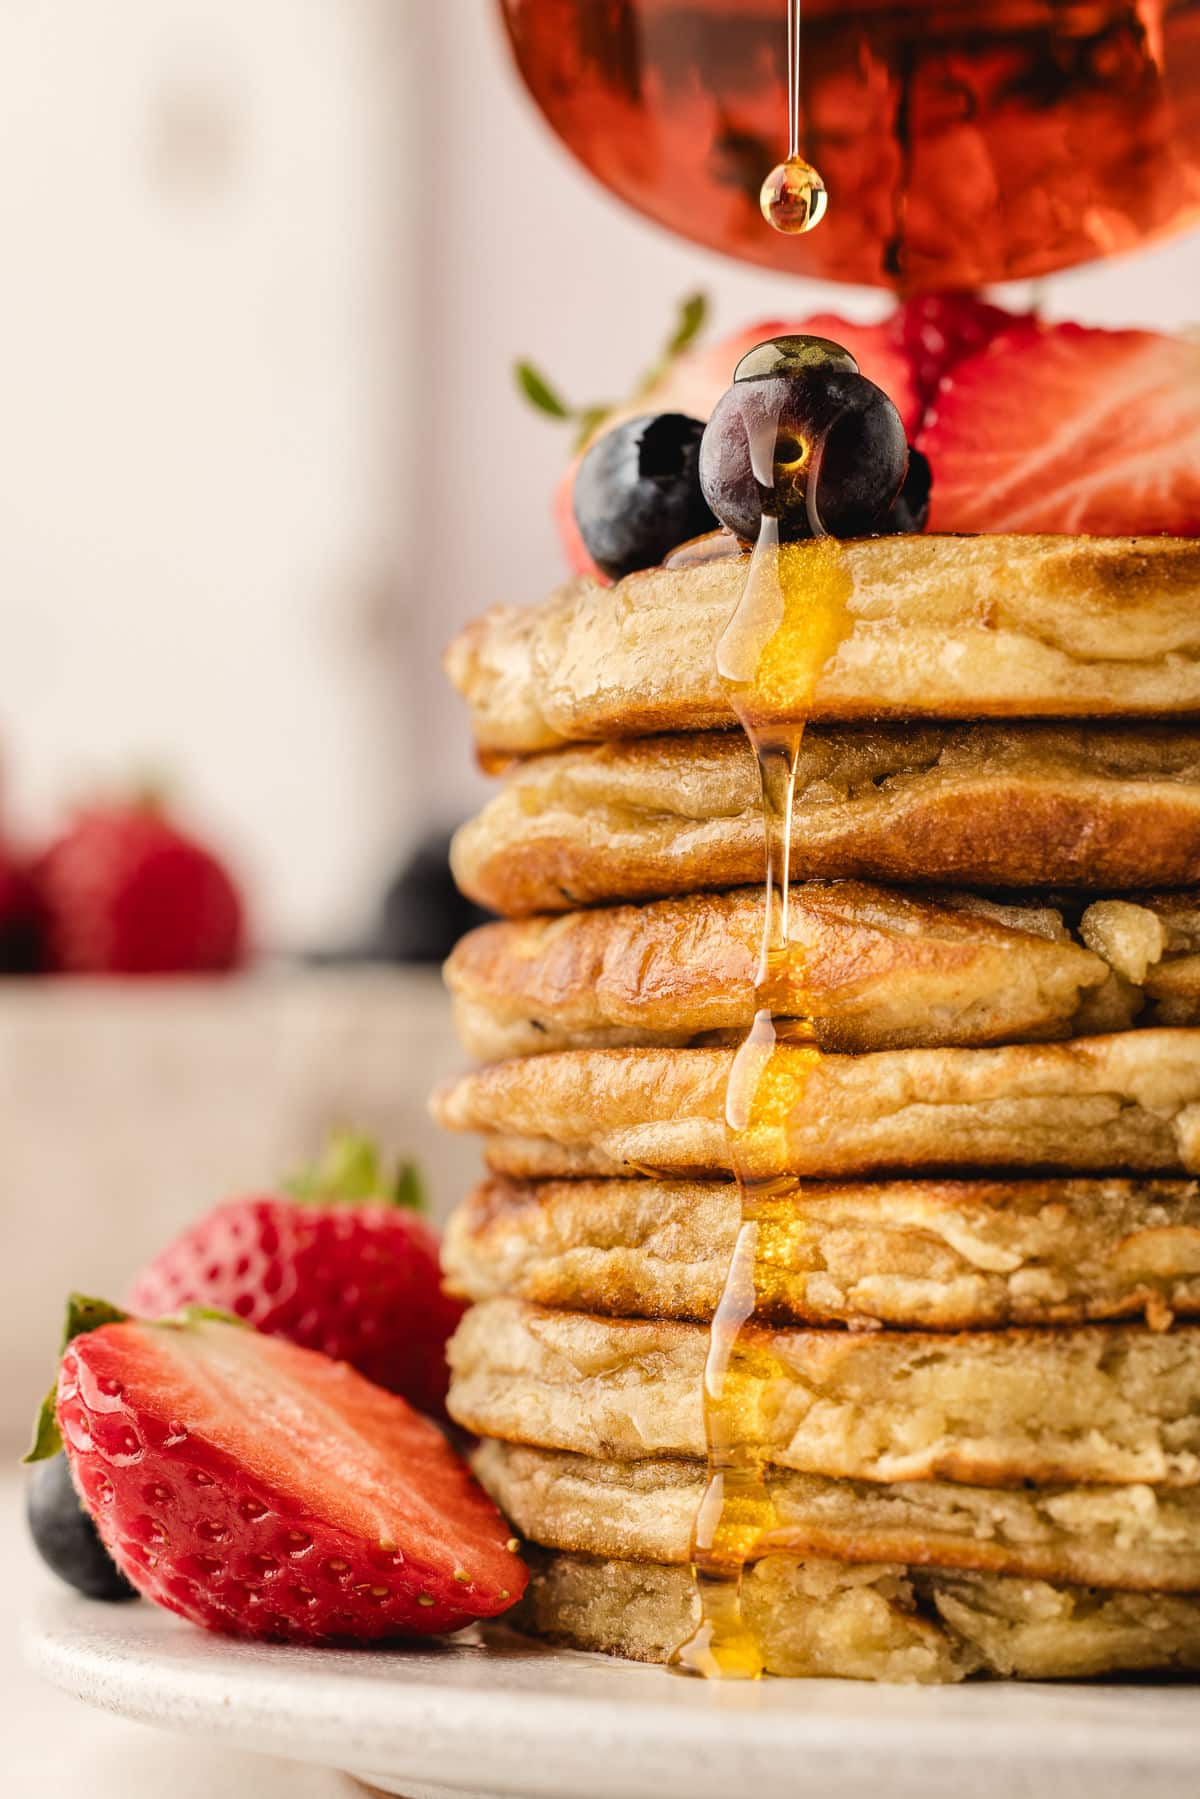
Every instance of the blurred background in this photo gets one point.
(267, 270)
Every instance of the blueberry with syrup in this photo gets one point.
(831, 440)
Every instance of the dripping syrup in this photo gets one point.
(791, 616)
(792, 199)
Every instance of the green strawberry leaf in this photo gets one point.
(539, 393)
(693, 313)
(690, 321)
(408, 1188)
(47, 1438)
(199, 1315)
(83, 1315)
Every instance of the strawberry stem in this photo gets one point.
(588, 420)
(350, 1172)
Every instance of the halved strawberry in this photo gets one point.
(1064, 429)
(935, 332)
(262, 1490)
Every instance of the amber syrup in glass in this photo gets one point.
(962, 142)
(790, 618)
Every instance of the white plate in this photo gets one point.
(499, 1715)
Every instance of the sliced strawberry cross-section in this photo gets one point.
(1065, 429)
(935, 332)
(262, 1490)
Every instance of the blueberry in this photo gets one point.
(910, 508)
(771, 430)
(65, 1537)
(637, 493)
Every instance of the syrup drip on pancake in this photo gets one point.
(789, 621)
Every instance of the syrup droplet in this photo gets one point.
(793, 197)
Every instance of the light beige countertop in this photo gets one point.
(127, 1109)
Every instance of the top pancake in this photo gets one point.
(942, 628)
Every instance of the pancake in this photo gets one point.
(868, 967)
(1104, 808)
(1152, 942)
(929, 1255)
(1097, 1403)
(887, 1623)
(1123, 1103)
(942, 627)
(1138, 1538)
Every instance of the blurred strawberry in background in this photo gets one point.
(19, 937)
(124, 891)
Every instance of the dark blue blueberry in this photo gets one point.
(637, 494)
(65, 1537)
(910, 508)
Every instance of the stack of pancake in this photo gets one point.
(978, 1397)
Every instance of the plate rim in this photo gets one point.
(658, 1734)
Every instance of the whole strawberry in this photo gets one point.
(20, 951)
(123, 891)
(264, 1491)
(341, 1263)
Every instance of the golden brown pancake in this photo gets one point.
(1152, 942)
(869, 967)
(1135, 1537)
(925, 1255)
(1129, 1102)
(1105, 808)
(942, 627)
(872, 1622)
(1096, 1403)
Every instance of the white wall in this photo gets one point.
(205, 363)
(266, 270)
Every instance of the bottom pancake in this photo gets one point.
(1139, 1538)
(874, 1622)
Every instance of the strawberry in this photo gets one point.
(123, 891)
(262, 1490)
(1064, 429)
(20, 951)
(342, 1264)
(934, 332)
